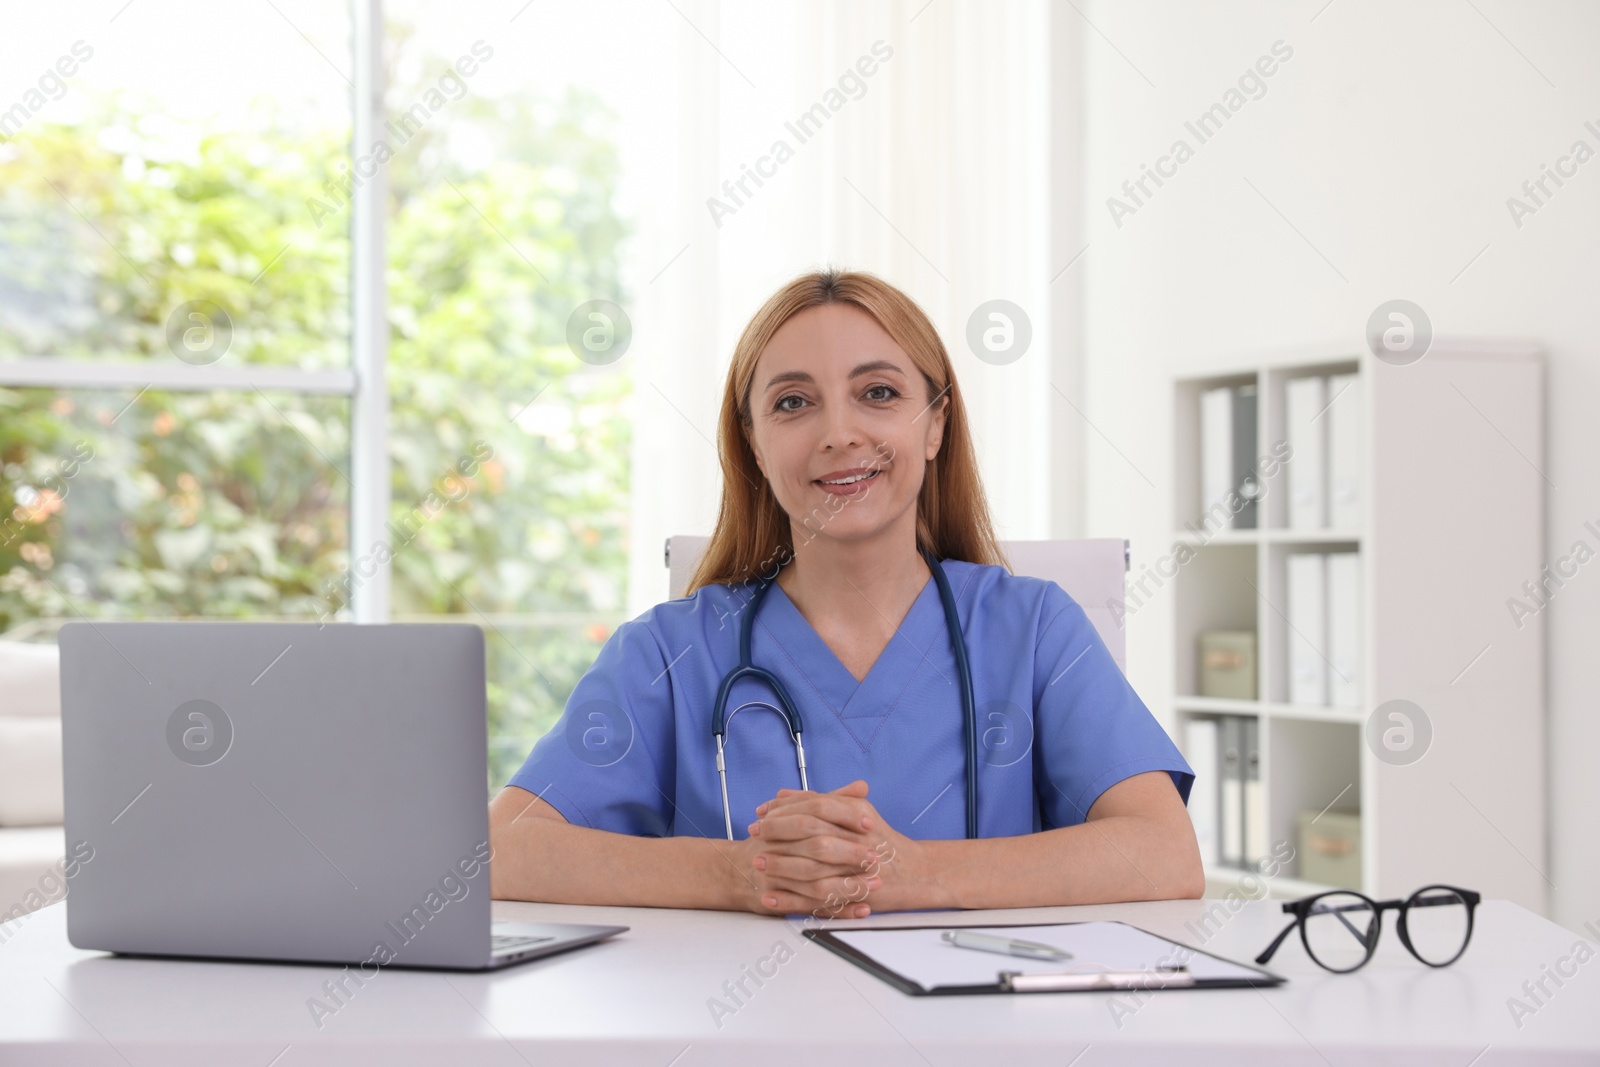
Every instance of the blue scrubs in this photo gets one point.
(1058, 723)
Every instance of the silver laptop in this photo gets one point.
(284, 791)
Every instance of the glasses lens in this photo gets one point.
(1436, 921)
(1341, 929)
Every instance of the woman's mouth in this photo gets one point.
(847, 483)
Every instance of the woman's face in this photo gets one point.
(834, 398)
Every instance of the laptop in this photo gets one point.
(284, 791)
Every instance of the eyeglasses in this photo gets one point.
(1340, 928)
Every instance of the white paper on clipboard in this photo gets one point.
(923, 957)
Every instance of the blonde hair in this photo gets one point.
(753, 532)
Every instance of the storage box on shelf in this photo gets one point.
(1429, 518)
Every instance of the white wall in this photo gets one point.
(1377, 165)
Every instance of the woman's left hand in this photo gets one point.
(792, 823)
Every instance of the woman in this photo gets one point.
(845, 458)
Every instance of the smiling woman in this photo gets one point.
(854, 548)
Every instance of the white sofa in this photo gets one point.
(31, 836)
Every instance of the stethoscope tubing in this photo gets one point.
(785, 707)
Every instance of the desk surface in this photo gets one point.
(644, 998)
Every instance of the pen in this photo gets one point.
(1006, 946)
(1017, 982)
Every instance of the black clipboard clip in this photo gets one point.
(1061, 981)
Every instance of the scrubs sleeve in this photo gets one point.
(1091, 728)
(607, 763)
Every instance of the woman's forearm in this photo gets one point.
(553, 861)
(1112, 859)
(1138, 844)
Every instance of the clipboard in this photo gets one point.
(916, 961)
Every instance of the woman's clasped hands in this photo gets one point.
(830, 855)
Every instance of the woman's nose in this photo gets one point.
(841, 427)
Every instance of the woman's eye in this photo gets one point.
(783, 400)
(888, 392)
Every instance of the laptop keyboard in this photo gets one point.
(503, 943)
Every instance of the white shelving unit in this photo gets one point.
(1453, 510)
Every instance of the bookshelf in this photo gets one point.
(1448, 460)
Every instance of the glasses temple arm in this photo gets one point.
(1287, 930)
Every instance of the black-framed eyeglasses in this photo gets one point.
(1340, 928)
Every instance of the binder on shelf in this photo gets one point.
(1347, 426)
(1200, 740)
(1255, 798)
(1216, 454)
(1232, 814)
(1228, 457)
(1344, 629)
(1304, 399)
(1245, 481)
(1307, 633)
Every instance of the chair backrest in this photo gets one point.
(1091, 570)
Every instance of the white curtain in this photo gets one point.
(933, 171)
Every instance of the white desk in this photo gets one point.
(642, 999)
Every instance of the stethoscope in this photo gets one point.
(746, 669)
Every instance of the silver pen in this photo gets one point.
(1006, 946)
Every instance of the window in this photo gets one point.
(175, 384)
(184, 272)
